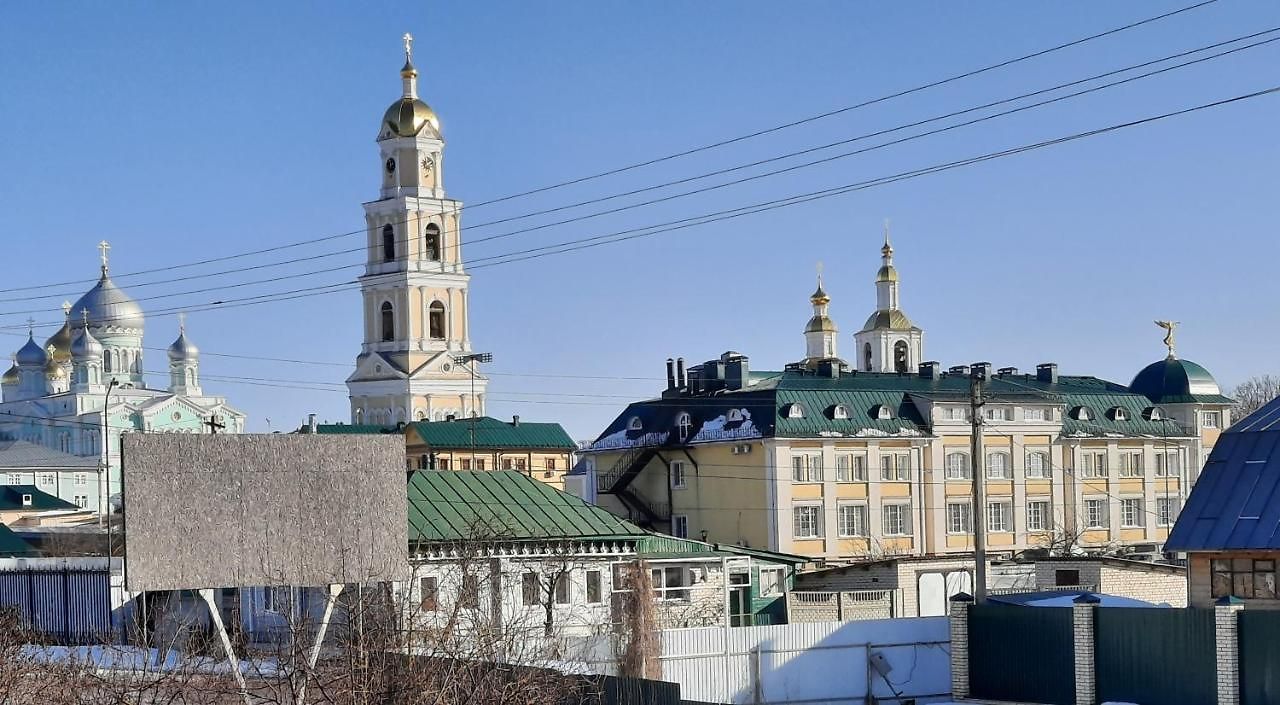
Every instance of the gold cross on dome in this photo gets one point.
(31, 325)
(182, 321)
(66, 309)
(408, 45)
(104, 247)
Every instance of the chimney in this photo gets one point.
(515, 420)
(962, 370)
(451, 417)
(931, 370)
(736, 371)
(829, 369)
(981, 369)
(693, 379)
(682, 379)
(1005, 371)
(1047, 372)
(311, 423)
(671, 373)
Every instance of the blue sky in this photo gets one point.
(186, 131)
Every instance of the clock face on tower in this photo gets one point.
(391, 165)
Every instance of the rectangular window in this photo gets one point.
(959, 518)
(895, 467)
(670, 584)
(81, 479)
(851, 467)
(428, 594)
(806, 521)
(1066, 577)
(594, 591)
(1211, 419)
(1167, 464)
(522, 464)
(806, 467)
(469, 594)
(47, 479)
(998, 466)
(1245, 578)
(1093, 464)
(82, 500)
(1131, 464)
(479, 463)
(1034, 414)
(562, 588)
(551, 464)
(957, 466)
(852, 519)
(1131, 513)
(999, 517)
(507, 464)
(1037, 515)
(466, 463)
(1166, 510)
(1037, 464)
(680, 526)
(531, 588)
(1095, 514)
(442, 463)
(772, 582)
(896, 519)
(958, 413)
(995, 413)
(677, 475)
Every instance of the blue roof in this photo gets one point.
(1235, 504)
(1065, 598)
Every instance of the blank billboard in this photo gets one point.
(240, 510)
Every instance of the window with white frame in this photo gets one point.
(995, 413)
(1095, 514)
(1037, 464)
(772, 582)
(680, 526)
(895, 467)
(806, 521)
(531, 589)
(1167, 464)
(1131, 512)
(276, 599)
(1038, 515)
(595, 592)
(957, 466)
(670, 583)
(998, 466)
(852, 519)
(851, 467)
(428, 594)
(562, 592)
(895, 519)
(959, 518)
(16, 479)
(999, 517)
(1211, 419)
(677, 475)
(839, 411)
(806, 467)
(635, 424)
(81, 479)
(1035, 413)
(1093, 464)
(682, 426)
(958, 413)
(47, 478)
(795, 411)
(82, 500)
(1166, 510)
(1131, 464)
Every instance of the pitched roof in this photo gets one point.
(1235, 503)
(446, 505)
(11, 499)
(23, 455)
(12, 545)
(493, 433)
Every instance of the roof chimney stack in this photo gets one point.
(930, 369)
(682, 378)
(515, 420)
(671, 374)
(1047, 372)
(311, 423)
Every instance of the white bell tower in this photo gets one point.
(888, 341)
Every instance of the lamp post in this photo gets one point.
(470, 361)
(104, 486)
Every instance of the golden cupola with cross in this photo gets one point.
(888, 341)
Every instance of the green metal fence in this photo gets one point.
(1023, 654)
(1259, 657)
(1155, 656)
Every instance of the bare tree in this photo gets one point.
(1253, 393)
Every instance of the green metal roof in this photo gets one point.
(1174, 381)
(12, 545)
(493, 433)
(446, 505)
(11, 499)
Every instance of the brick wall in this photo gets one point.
(1156, 585)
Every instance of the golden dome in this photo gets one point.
(407, 117)
(821, 324)
(887, 273)
(54, 370)
(59, 344)
(11, 377)
(888, 320)
(820, 296)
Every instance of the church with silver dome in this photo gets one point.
(90, 371)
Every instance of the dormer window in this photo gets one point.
(26, 500)
(1153, 413)
(682, 425)
(1119, 414)
(839, 411)
(733, 416)
(881, 412)
(634, 424)
(794, 411)
(1081, 413)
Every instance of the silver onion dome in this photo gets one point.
(85, 347)
(182, 349)
(108, 306)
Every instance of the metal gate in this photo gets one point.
(1155, 656)
(1259, 657)
(68, 606)
(1024, 654)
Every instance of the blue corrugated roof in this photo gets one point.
(1235, 504)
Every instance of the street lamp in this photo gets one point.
(473, 358)
(104, 486)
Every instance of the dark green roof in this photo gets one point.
(1103, 420)
(354, 428)
(12, 545)
(446, 505)
(11, 499)
(493, 433)
(1174, 381)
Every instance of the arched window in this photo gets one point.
(957, 466)
(431, 242)
(682, 425)
(1037, 464)
(388, 243)
(435, 320)
(866, 357)
(998, 466)
(901, 356)
(388, 322)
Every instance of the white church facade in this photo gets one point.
(414, 362)
(87, 385)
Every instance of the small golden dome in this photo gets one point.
(407, 117)
(54, 370)
(408, 71)
(12, 376)
(887, 273)
(820, 296)
(821, 324)
(59, 344)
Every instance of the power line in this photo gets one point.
(687, 152)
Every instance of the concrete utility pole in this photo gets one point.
(979, 491)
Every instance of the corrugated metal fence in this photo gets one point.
(1155, 656)
(1022, 654)
(1259, 656)
(68, 605)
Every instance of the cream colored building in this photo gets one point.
(413, 362)
(822, 460)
